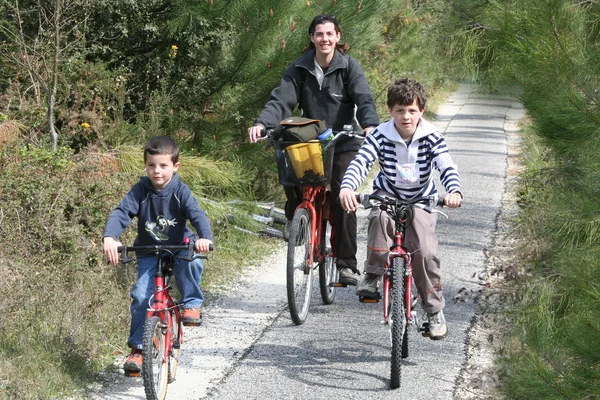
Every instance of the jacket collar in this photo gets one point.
(307, 61)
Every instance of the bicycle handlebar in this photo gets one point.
(158, 248)
(348, 131)
(365, 200)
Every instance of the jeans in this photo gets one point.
(187, 275)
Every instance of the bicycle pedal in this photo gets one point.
(132, 374)
(369, 300)
(337, 284)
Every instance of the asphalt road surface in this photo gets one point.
(249, 348)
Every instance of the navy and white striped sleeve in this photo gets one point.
(361, 165)
(444, 163)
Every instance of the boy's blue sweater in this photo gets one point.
(162, 215)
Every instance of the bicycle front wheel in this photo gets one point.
(327, 268)
(175, 346)
(154, 366)
(398, 323)
(299, 273)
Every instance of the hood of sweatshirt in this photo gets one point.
(167, 191)
(424, 128)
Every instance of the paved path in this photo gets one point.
(248, 347)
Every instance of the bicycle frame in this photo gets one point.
(163, 302)
(315, 195)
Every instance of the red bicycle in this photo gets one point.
(163, 329)
(311, 240)
(398, 300)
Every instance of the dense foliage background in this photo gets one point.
(84, 83)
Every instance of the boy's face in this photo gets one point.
(160, 169)
(406, 118)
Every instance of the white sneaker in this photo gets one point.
(348, 277)
(369, 286)
(437, 325)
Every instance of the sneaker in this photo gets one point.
(348, 276)
(133, 364)
(286, 230)
(369, 286)
(191, 317)
(437, 325)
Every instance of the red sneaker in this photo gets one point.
(191, 317)
(133, 364)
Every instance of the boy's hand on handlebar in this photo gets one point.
(255, 133)
(453, 200)
(111, 254)
(348, 200)
(202, 245)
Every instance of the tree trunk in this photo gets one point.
(54, 84)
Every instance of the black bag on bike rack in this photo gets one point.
(299, 129)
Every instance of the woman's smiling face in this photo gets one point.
(325, 38)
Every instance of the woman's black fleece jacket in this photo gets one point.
(344, 87)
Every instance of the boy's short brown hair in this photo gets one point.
(404, 92)
(162, 145)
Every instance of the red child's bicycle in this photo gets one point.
(163, 329)
(398, 300)
(312, 235)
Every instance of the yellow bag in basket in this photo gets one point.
(306, 157)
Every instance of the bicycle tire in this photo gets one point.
(299, 274)
(398, 323)
(327, 267)
(271, 232)
(154, 367)
(175, 343)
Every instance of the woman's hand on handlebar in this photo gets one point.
(111, 253)
(453, 200)
(255, 133)
(202, 245)
(348, 200)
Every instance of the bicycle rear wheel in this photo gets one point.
(398, 323)
(299, 273)
(154, 366)
(327, 268)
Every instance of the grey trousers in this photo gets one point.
(421, 242)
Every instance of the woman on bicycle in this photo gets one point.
(328, 85)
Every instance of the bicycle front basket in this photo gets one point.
(304, 164)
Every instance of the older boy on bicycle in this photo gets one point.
(163, 205)
(408, 148)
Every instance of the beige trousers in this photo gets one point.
(421, 242)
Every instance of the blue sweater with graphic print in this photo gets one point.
(162, 215)
(406, 171)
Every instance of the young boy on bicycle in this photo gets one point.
(408, 149)
(163, 205)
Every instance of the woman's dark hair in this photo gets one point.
(323, 19)
(162, 145)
